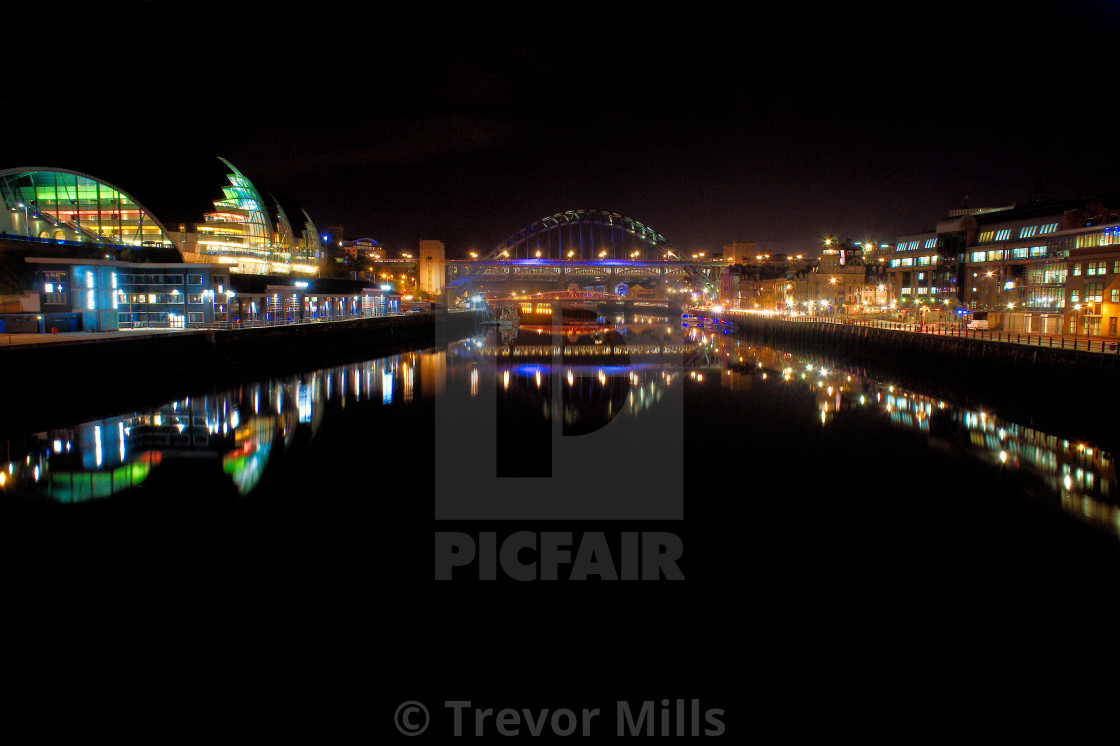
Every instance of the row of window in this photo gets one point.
(159, 279)
(1094, 293)
(127, 318)
(921, 261)
(194, 299)
(996, 255)
(1097, 268)
(1029, 231)
(929, 243)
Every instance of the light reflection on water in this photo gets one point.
(605, 371)
(243, 427)
(1080, 475)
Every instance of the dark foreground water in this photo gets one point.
(816, 455)
(819, 511)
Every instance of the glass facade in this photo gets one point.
(242, 232)
(69, 206)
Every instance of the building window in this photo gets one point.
(1094, 291)
(1074, 296)
(194, 279)
(194, 317)
(1115, 297)
(194, 299)
(1077, 270)
(1003, 235)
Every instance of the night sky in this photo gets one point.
(780, 126)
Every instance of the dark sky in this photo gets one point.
(780, 125)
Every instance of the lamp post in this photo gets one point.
(26, 221)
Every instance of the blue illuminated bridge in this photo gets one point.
(583, 247)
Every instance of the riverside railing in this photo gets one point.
(1109, 346)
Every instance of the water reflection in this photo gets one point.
(242, 428)
(603, 369)
(576, 378)
(1081, 476)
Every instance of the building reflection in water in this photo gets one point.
(1081, 476)
(243, 428)
(576, 378)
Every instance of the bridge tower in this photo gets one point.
(430, 266)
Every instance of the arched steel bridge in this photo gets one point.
(587, 245)
(585, 234)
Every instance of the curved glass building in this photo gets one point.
(55, 204)
(253, 235)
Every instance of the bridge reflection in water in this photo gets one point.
(578, 378)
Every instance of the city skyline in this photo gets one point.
(781, 130)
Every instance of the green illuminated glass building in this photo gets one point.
(53, 204)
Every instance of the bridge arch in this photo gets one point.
(585, 235)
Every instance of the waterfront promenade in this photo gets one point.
(84, 337)
(1083, 343)
(61, 378)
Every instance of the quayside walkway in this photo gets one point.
(85, 337)
(1082, 343)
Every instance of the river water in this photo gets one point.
(748, 452)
